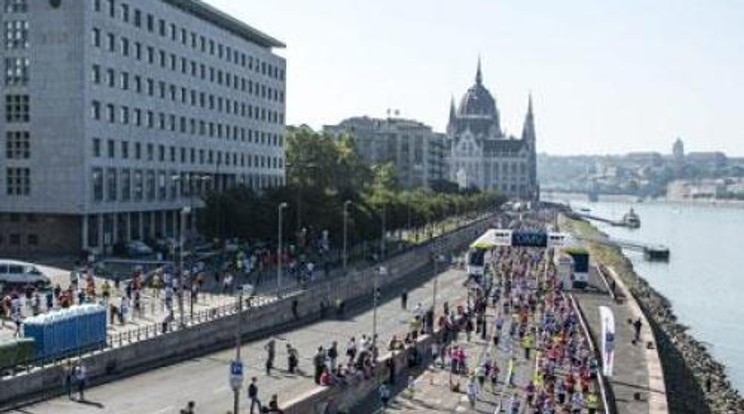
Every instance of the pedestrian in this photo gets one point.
(270, 349)
(333, 355)
(384, 395)
(293, 359)
(81, 376)
(637, 328)
(404, 300)
(493, 375)
(69, 373)
(319, 361)
(253, 394)
(274, 405)
(190, 406)
(472, 391)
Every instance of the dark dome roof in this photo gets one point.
(477, 101)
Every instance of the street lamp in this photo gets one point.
(184, 214)
(347, 203)
(280, 209)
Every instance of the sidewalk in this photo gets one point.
(633, 368)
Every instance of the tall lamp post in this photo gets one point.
(347, 203)
(280, 210)
(382, 236)
(184, 214)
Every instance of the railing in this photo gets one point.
(155, 329)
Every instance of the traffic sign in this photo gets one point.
(236, 374)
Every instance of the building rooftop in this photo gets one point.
(212, 15)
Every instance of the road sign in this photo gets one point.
(236, 374)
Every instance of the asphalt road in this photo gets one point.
(205, 380)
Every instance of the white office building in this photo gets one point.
(120, 113)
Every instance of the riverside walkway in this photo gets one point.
(637, 386)
(205, 381)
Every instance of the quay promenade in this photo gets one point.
(204, 379)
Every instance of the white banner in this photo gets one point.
(608, 340)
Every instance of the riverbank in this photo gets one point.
(688, 366)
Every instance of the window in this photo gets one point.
(112, 8)
(111, 148)
(124, 81)
(17, 108)
(137, 116)
(124, 46)
(95, 110)
(137, 150)
(150, 185)
(96, 74)
(16, 6)
(125, 13)
(18, 181)
(138, 50)
(110, 77)
(162, 189)
(138, 185)
(33, 239)
(17, 145)
(16, 71)
(126, 185)
(16, 34)
(124, 115)
(97, 183)
(110, 113)
(96, 34)
(96, 147)
(111, 41)
(150, 23)
(112, 181)
(137, 18)
(125, 150)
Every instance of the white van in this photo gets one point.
(13, 272)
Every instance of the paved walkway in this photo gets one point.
(632, 373)
(205, 379)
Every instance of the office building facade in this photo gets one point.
(121, 113)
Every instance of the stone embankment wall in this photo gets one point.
(255, 323)
(686, 362)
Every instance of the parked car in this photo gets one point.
(13, 272)
(138, 248)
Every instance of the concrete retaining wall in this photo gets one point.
(113, 363)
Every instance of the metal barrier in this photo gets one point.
(609, 408)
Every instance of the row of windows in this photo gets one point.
(189, 38)
(15, 6)
(183, 65)
(187, 96)
(16, 71)
(169, 122)
(187, 155)
(112, 184)
(18, 181)
(17, 108)
(14, 239)
(17, 145)
(16, 34)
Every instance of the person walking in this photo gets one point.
(637, 325)
(293, 359)
(81, 376)
(69, 373)
(319, 363)
(253, 394)
(270, 349)
(404, 300)
(472, 391)
(333, 355)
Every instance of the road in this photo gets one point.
(205, 379)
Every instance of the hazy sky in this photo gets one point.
(606, 76)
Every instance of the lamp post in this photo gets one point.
(184, 214)
(347, 203)
(376, 295)
(280, 210)
(382, 236)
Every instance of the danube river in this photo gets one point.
(704, 278)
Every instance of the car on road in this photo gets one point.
(138, 248)
(17, 273)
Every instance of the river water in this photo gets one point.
(704, 278)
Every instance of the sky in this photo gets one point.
(606, 76)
